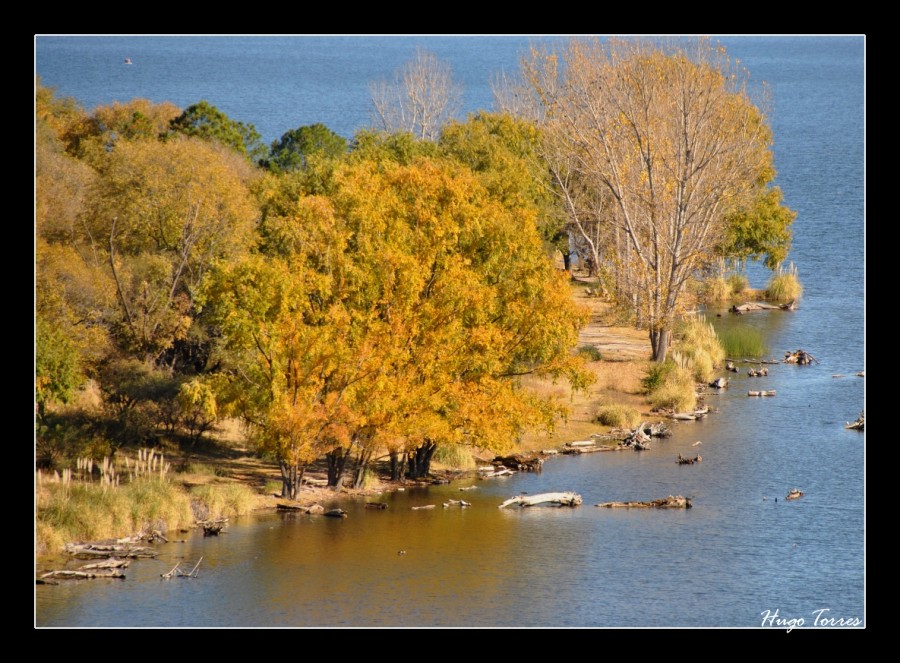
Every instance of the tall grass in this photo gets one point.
(77, 511)
(455, 456)
(675, 391)
(699, 348)
(737, 283)
(223, 500)
(716, 289)
(743, 341)
(785, 285)
(618, 415)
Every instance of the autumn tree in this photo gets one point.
(399, 312)
(673, 143)
(160, 214)
(420, 99)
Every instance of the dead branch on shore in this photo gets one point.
(64, 573)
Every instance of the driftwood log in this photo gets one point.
(758, 372)
(670, 502)
(420, 508)
(681, 460)
(502, 472)
(376, 505)
(310, 509)
(719, 383)
(101, 573)
(740, 309)
(335, 513)
(460, 503)
(111, 563)
(102, 550)
(560, 499)
(770, 392)
(859, 424)
(729, 366)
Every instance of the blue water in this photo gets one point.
(732, 557)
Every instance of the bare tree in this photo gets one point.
(421, 98)
(672, 140)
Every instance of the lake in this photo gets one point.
(734, 556)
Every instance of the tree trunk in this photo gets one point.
(290, 480)
(419, 460)
(567, 261)
(362, 463)
(659, 339)
(337, 460)
(398, 461)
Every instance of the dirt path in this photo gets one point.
(625, 353)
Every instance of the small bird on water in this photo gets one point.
(401, 552)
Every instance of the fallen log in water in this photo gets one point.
(523, 462)
(336, 513)
(759, 306)
(464, 488)
(560, 499)
(100, 550)
(497, 473)
(719, 383)
(689, 461)
(376, 505)
(460, 503)
(859, 424)
(420, 508)
(107, 573)
(670, 502)
(577, 451)
(111, 563)
(770, 392)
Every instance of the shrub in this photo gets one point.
(716, 290)
(699, 347)
(676, 391)
(590, 353)
(455, 456)
(737, 283)
(784, 286)
(656, 375)
(618, 415)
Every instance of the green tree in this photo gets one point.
(57, 367)
(209, 123)
(293, 150)
(761, 230)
